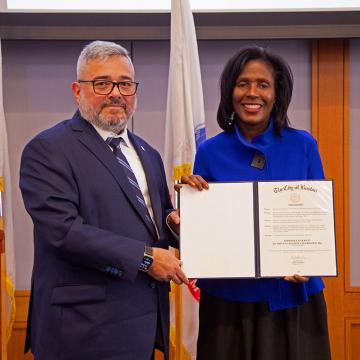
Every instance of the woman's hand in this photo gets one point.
(296, 278)
(195, 181)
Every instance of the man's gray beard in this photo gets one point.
(111, 123)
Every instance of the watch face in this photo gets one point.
(146, 263)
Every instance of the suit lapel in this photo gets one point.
(90, 138)
(152, 179)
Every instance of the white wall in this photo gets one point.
(37, 78)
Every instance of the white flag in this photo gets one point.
(185, 116)
(185, 130)
(7, 217)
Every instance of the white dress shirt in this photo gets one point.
(134, 161)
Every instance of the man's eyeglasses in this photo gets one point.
(105, 87)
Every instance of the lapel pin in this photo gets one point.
(142, 148)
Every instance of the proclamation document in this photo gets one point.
(258, 229)
(296, 228)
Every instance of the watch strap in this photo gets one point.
(147, 259)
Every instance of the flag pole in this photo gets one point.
(184, 130)
(178, 319)
(178, 294)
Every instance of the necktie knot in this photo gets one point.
(113, 142)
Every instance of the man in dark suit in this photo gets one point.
(101, 209)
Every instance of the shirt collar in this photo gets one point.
(106, 134)
(260, 142)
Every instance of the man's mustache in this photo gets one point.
(114, 101)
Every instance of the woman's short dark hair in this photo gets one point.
(283, 85)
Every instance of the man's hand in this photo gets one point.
(166, 266)
(296, 278)
(173, 220)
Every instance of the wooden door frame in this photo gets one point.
(330, 126)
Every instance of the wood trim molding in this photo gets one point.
(22, 304)
(349, 288)
(327, 126)
(2, 241)
(315, 89)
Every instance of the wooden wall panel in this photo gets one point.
(328, 111)
(16, 343)
(330, 125)
(352, 332)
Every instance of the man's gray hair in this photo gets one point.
(100, 50)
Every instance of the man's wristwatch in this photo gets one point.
(147, 259)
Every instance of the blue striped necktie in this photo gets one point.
(114, 143)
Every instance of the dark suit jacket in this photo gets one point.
(88, 299)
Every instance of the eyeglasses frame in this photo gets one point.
(114, 83)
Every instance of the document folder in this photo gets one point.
(258, 229)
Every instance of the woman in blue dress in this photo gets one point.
(272, 318)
